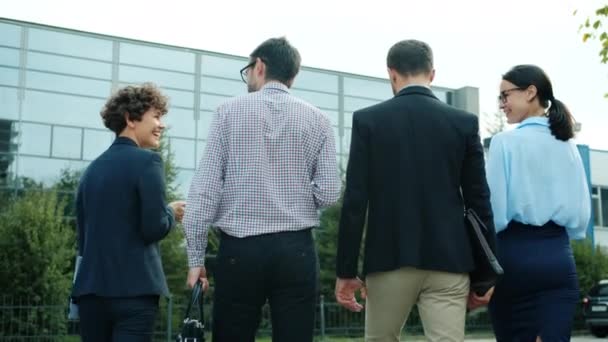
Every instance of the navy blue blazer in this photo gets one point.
(121, 216)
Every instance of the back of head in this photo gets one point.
(561, 121)
(410, 58)
(281, 58)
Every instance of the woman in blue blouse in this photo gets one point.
(540, 200)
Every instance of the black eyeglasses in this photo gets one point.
(504, 95)
(245, 70)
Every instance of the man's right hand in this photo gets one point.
(195, 274)
(476, 301)
(345, 293)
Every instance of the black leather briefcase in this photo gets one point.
(487, 269)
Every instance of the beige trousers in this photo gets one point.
(441, 298)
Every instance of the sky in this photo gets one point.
(474, 41)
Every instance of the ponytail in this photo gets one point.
(560, 121)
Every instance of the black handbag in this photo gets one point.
(193, 329)
(487, 269)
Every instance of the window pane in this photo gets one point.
(180, 123)
(346, 140)
(224, 87)
(594, 190)
(164, 58)
(211, 102)
(204, 122)
(62, 109)
(595, 202)
(129, 74)
(200, 149)
(9, 107)
(68, 84)
(35, 139)
(348, 119)
(183, 180)
(9, 76)
(441, 94)
(95, 143)
(10, 35)
(70, 44)
(380, 90)
(222, 66)
(180, 98)
(183, 152)
(604, 205)
(66, 142)
(332, 116)
(8, 141)
(317, 99)
(343, 160)
(69, 65)
(352, 104)
(316, 81)
(9, 57)
(46, 170)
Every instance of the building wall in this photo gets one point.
(599, 194)
(599, 167)
(54, 82)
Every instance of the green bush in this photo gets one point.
(36, 251)
(327, 245)
(591, 264)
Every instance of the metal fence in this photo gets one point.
(38, 321)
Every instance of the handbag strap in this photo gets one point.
(197, 296)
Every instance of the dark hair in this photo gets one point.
(281, 58)
(561, 121)
(134, 100)
(410, 57)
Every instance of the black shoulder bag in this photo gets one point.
(193, 329)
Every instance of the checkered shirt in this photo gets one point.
(269, 165)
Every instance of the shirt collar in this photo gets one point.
(275, 85)
(124, 141)
(534, 120)
(414, 85)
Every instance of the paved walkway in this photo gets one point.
(574, 339)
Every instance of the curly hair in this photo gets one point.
(134, 100)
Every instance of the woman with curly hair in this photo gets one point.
(121, 216)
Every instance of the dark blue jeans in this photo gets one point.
(104, 319)
(280, 268)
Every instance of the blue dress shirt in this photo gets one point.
(535, 178)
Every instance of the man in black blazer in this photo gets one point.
(121, 216)
(415, 164)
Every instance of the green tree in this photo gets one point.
(66, 190)
(35, 251)
(173, 251)
(494, 123)
(326, 238)
(594, 28)
(591, 264)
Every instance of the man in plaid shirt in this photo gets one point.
(269, 165)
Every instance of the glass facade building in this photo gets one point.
(599, 191)
(54, 82)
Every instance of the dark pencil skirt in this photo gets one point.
(538, 293)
